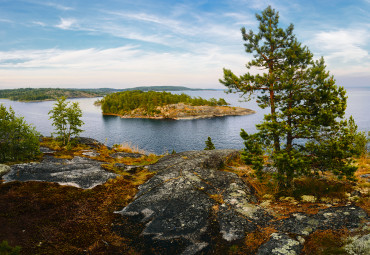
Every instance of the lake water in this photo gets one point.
(160, 136)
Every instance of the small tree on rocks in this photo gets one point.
(66, 118)
(209, 144)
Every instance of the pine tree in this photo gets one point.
(209, 144)
(305, 130)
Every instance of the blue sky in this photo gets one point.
(121, 43)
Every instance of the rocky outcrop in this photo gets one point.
(119, 155)
(187, 194)
(189, 203)
(88, 141)
(80, 172)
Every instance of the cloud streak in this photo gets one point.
(67, 23)
(118, 64)
(193, 41)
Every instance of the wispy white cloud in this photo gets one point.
(59, 6)
(39, 23)
(6, 21)
(343, 45)
(345, 50)
(66, 24)
(54, 5)
(241, 19)
(122, 65)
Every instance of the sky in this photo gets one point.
(123, 44)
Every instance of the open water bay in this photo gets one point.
(160, 136)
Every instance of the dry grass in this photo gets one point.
(326, 242)
(363, 183)
(252, 241)
(327, 191)
(128, 147)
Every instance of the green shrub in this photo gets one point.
(209, 144)
(6, 249)
(18, 140)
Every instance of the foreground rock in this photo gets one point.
(179, 204)
(80, 172)
(190, 207)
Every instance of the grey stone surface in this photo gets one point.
(4, 169)
(126, 155)
(88, 141)
(127, 168)
(80, 172)
(46, 150)
(280, 244)
(331, 218)
(177, 202)
(189, 196)
(90, 153)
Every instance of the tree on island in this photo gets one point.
(209, 144)
(66, 119)
(18, 140)
(305, 131)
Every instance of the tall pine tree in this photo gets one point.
(305, 131)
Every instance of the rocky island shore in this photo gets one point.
(99, 200)
(183, 111)
(165, 105)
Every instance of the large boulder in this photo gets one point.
(181, 203)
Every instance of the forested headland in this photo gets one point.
(41, 94)
(152, 104)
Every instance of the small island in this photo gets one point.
(165, 105)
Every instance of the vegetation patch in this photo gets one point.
(325, 191)
(45, 217)
(326, 242)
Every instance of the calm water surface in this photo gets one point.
(160, 136)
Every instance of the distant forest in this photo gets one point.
(31, 94)
(40, 94)
(124, 102)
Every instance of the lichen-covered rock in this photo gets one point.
(190, 202)
(126, 155)
(80, 172)
(46, 150)
(127, 168)
(358, 245)
(90, 153)
(330, 218)
(4, 169)
(88, 141)
(177, 203)
(280, 244)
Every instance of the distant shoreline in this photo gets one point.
(52, 94)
